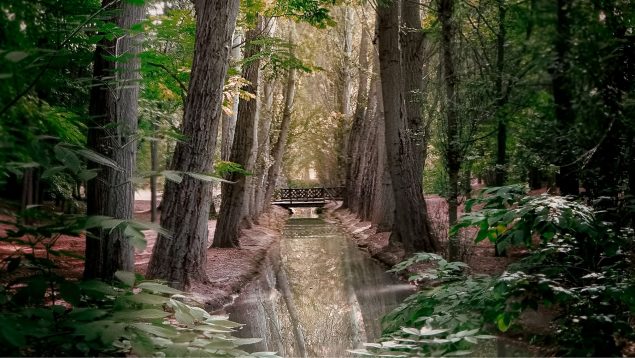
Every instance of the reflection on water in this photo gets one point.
(318, 295)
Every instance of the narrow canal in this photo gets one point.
(318, 296)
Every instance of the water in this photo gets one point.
(318, 295)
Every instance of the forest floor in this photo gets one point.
(228, 270)
(480, 257)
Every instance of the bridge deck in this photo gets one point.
(300, 204)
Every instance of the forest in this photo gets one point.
(166, 164)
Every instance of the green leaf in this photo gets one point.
(113, 332)
(95, 221)
(87, 314)
(199, 314)
(176, 350)
(16, 56)
(70, 292)
(98, 158)
(127, 278)
(503, 322)
(94, 39)
(164, 331)
(409, 330)
(87, 175)
(184, 317)
(136, 237)
(146, 298)
(68, 158)
(49, 172)
(144, 314)
(223, 322)
(13, 336)
(150, 226)
(111, 223)
(93, 286)
(208, 178)
(246, 341)
(172, 176)
(158, 288)
(33, 292)
(425, 331)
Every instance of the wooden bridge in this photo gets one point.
(307, 197)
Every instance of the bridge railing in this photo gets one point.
(309, 194)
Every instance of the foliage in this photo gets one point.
(424, 342)
(444, 318)
(577, 266)
(443, 272)
(507, 219)
(45, 313)
(581, 267)
(278, 55)
(225, 168)
(314, 12)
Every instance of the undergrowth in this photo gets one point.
(43, 313)
(577, 266)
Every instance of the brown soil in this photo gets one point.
(480, 257)
(228, 269)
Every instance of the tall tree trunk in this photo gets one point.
(354, 137)
(180, 259)
(281, 143)
(229, 120)
(563, 100)
(263, 161)
(453, 154)
(413, 45)
(236, 196)
(383, 216)
(154, 167)
(411, 228)
(501, 100)
(346, 89)
(114, 111)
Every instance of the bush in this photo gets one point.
(577, 266)
(42, 313)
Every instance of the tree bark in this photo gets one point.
(563, 100)
(413, 45)
(383, 216)
(264, 157)
(281, 143)
(346, 89)
(114, 111)
(354, 138)
(236, 196)
(154, 167)
(501, 100)
(411, 228)
(229, 120)
(453, 154)
(180, 259)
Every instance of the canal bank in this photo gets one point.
(317, 295)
